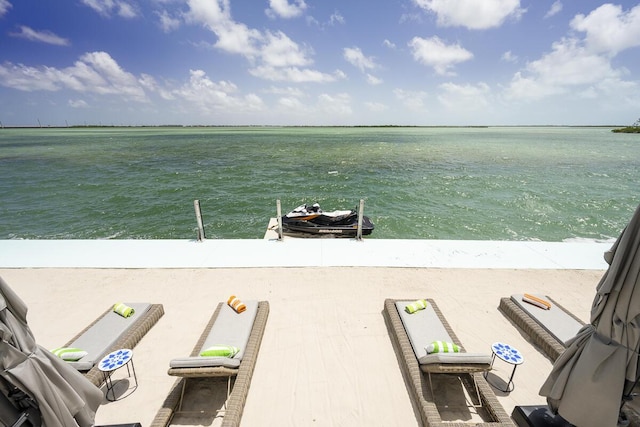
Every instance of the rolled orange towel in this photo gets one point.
(532, 299)
(236, 304)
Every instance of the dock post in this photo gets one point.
(360, 215)
(279, 217)
(196, 206)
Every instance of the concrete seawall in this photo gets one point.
(243, 253)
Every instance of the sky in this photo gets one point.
(319, 62)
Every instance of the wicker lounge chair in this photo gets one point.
(414, 364)
(241, 366)
(548, 329)
(110, 332)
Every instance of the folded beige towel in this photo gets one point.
(538, 302)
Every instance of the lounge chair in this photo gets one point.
(548, 329)
(109, 332)
(226, 327)
(409, 334)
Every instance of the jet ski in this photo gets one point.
(313, 221)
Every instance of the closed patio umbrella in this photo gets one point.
(64, 397)
(587, 382)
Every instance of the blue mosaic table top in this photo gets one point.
(116, 359)
(507, 353)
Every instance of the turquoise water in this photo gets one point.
(539, 183)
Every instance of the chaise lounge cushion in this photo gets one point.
(204, 361)
(423, 327)
(456, 358)
(560, 324)
(99, 338)
(413, 372)
(230, 328)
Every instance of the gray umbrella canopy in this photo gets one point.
(600, 364)
(64, 397)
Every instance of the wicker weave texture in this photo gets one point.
(531, 328)
(244, 373)
(547, 342)
(416, 380)
(129, 339)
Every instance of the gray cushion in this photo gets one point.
(479, 358)
(202, 362)
(424, 327)
(230, 328)
(99, 338)
(556, 321)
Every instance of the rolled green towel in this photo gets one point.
(69, 353)
(220, 351)
(123, 309)
(442, 347)
(420, 304)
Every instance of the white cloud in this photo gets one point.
(508, 56)
(150, 85)
(148, 82)
(608, 29)
(415, 18)
(95, 72)
(28, 79)
(582, 68)
(110, 78)
(4, 7)
(339, 105)
(280, 51)
(41, 36)
(373, 80)
(355, 57)
(284, 9)
(108, 7)
(336, 18)
(465, 97)
(388, 44)
(288, 91)
(339, 75)
(77, 103)
(273, 55)
(291, 104)
(414, 100)
(292, 74)
(555, 8)
(233, 37)
(530, 88)
(472, 14)
(126, 10)
(376, 107)
(212, 96)
(569, 64)
(167, 22)
(433, 52)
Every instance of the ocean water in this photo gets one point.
(511, 183)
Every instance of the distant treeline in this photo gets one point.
(628, 129)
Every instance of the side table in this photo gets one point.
(111, 363)
(508, 354)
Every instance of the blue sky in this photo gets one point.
(319, 62)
